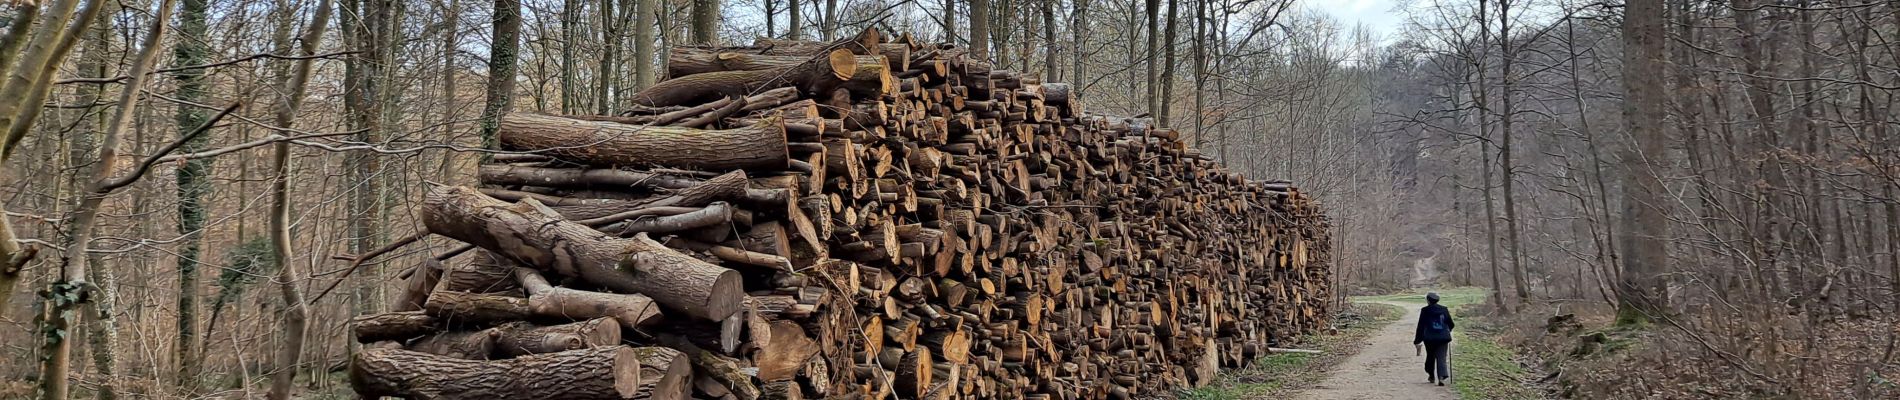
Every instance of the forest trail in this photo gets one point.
(1385, 368)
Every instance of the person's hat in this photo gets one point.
(1433, 296)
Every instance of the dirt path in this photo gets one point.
(1386, 368)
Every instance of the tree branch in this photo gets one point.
(146, 165)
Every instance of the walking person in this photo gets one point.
(1434, 332)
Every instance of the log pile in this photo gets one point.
(868, 218)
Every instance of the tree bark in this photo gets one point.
(815, 77)
(475, 309)
(760, 146)
(502, 53)
(1152, 56)
(595, 373)
(521, 338)
(645, 18)
(1166, 102)
(980, 30)
(545, 241)
(193, 182)
(871, 80)
(1049, 63)
(614, 178)
(705, 22)
(1641, 293)
(1507, 62)
(632, 311)
(795, 16)
(1079, 29)
(484, 273)
(665, 374)
(949, 22)
(397, 326)
(295, 311)
(71, 293)
(466, 345)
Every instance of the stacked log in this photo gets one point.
(864, 219)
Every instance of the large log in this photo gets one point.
(400, 325)
(522, 338)
(611, 179)
(417, 287)
(533, 237)
(631, 311)
(468, 345)
(474, 309)
(818, 74)
(871, 80)
(759, 146)
(665, 374)
(483, 273)
(603, 373)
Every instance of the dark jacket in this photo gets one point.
(1434, 325)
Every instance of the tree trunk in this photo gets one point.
(1080, 28)
(595, 373)
(1049, 63)
(795, 16)
(615, 178)
(1000, 28)
(71, 293)
(295, 311)
(570, 16)
(949, 26)
(1484, 149)
(980, 30)
(193, 182)
(1166, 102)
(501, 67)
(646, 14)
(102, 329)
(1200, 73)
(1507, 61)
(32, 80)
(1642, 291)
(830, 20)
(451, 22)
(706, 22)
(1153, 57)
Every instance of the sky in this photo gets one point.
(1377, 15)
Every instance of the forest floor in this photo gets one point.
(1371, 359)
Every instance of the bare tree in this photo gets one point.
(706, 22)
(1641, 292)
(72, 291)
(296, 313)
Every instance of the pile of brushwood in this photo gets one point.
(868, 218)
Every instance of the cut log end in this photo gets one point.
(626, 372)
(843, 64)
(728, 294)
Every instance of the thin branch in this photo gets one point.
(204, 66)
(146, 165)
